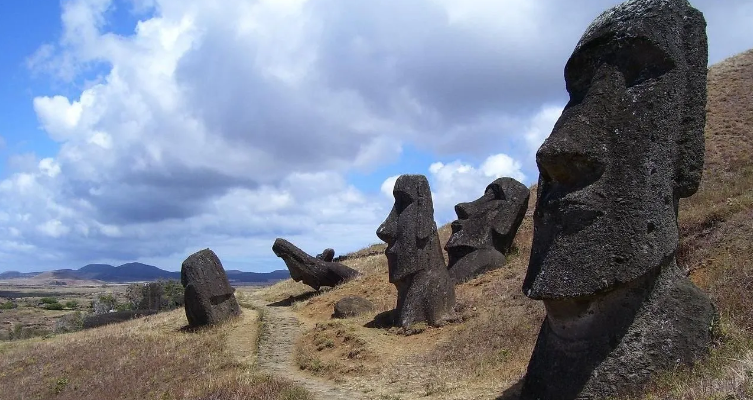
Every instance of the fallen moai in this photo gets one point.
(485, 229)
(626, 148)
(425, 292)
(311, 270)
(208, 296)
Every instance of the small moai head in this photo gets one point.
(628, 145)
(489, 222)
(408, 227)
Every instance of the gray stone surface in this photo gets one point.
(485, 229)
(208, 296)
(352, 306)
(627, 147)
(425, 292)
(326, 255)
(311, 270)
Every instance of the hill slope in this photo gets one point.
(482, 357)
(487, 354)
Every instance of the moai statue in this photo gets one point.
(208, 297)
(627, 147)
(485, 229)
(425, 292)
(313, 271)
(327, 255)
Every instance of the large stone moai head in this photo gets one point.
(628, 145)
(414, 256)
(209, 299)
(485, 229)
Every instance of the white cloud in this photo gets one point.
(457, 182)
(388, 185)
(227, 125)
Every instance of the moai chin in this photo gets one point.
(485, 229)
(425, 292)
(628, 145)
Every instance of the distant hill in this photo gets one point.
(16, 274)
(243, 277)
(138, 272)
(134, 272)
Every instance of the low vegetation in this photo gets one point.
(483, 355)
(152, 358)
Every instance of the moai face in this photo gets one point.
(474, 230)
(628, 145)
(489, 222)
(408, 227)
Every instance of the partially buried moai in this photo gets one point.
(425, 292)
(628, 146)
(485, 229)
(209, 298)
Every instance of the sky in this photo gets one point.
(146, 130)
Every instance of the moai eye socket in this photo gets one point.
(402, 201)
(638, 59)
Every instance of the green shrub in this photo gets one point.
(49, 300)
(72, 304)
(9, 305)
(53, 306)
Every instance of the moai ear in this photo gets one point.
(690, 140)
(425, 225)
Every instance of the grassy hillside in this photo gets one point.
(150, 358)
(482, 357)
(486, 354)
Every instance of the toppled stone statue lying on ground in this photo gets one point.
(208, 296)
(627, 147)
(312, 271)
(485, 229)
(425, 292)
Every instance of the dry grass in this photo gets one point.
(488, 351)
(481, 356)
(150, 358)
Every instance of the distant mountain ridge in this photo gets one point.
(138, 272)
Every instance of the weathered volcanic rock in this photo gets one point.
(352, 306)
(326, 255)
(425, 292)
(485, 229)
(627, 147)
(208, 296)
(311, 270)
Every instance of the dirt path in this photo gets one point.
(281, 329)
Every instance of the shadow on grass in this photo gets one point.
(513, 392)
(382, 320)
(292, 299)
